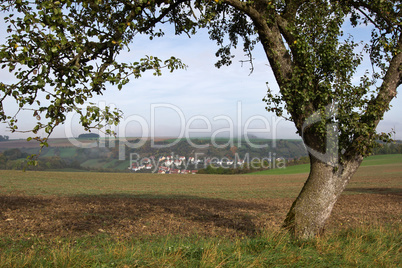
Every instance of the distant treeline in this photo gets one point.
(15, 159)
(293, 151)
(88, 136)
(389, 148)
(4, 138)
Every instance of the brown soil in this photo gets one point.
(123, 216)
(11, 144)
(53, 142)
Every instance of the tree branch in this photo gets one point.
(271, 39)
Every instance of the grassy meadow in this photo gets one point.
(86, 219)
(377, 247)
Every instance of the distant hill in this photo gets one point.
(88, 136)
(104, 153)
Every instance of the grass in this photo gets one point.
(385, 159)
(375, 160)
(68, 152)
(123, 165)
(49, 152)
(298, 169)
(276, 185)
(100, 164)
(197, 186)
(359, 247)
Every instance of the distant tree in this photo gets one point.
(15, 164)
(4, 138)
(393, 148)
(51, 163)
(13, 154)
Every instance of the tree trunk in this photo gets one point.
(311, 209)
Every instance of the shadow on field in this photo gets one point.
(16, 202)
(128, 215)
(125, 216)
(385, 191)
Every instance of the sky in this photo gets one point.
(199, 101)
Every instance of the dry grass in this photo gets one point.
(368, 179)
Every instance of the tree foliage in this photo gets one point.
(315, 61)
(62, 53)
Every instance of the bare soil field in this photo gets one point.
(23, 216)
(54, 204)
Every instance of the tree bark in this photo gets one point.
(311, 209)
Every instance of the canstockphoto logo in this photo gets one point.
(330, 157)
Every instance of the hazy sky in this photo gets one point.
(201, 98)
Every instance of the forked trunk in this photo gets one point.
(310, 211)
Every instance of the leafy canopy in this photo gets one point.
(61, 53)
(315, 62)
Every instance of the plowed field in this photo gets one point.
(75, 204)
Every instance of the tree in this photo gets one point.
(66, 51)
(314, 63)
